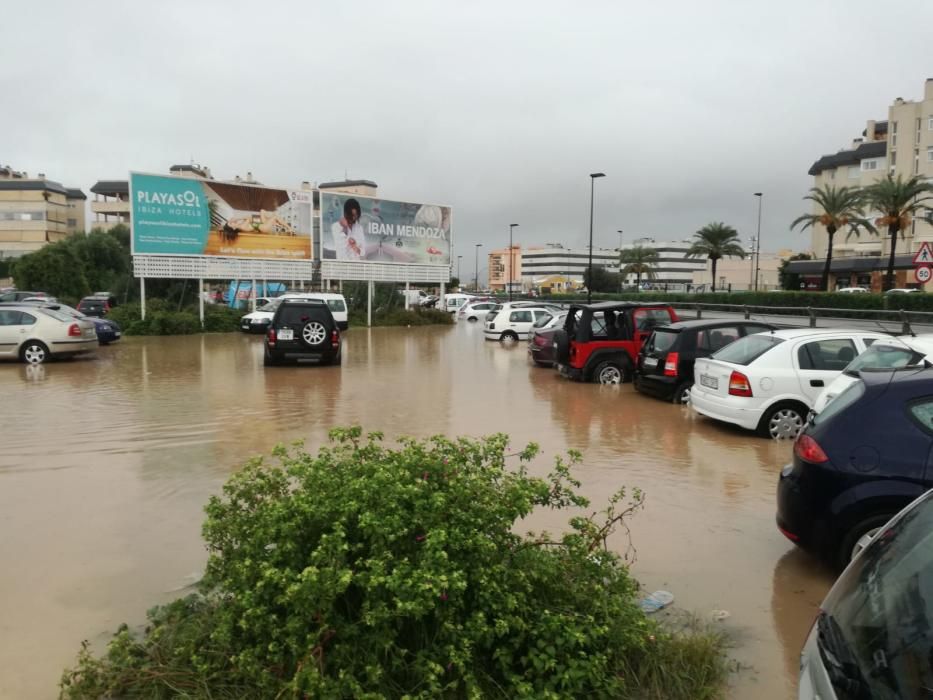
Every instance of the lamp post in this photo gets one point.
(511, 258)
(476, 269)
(621, 281)
(760, 196)
(589, 281)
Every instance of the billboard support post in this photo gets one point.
(369, 303)
(142, 298)
(443, 300)
(252, 295)
(407, 288)
(201, 301)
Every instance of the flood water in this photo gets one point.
(105, 465)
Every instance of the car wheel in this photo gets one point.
(34, 352)
(313, 333)
(508, 335)
(472, 319)
(858, 538)
(783, 421)
(608, 373)
(682, 393)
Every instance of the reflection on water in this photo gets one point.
(107, 462)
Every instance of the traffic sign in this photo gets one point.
(924, 256)
(923, 274)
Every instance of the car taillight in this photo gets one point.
(739, 385)
(809, 450)
(334, 339)
(670, 364)
(540, 340)
(74, 331)
(271, 336)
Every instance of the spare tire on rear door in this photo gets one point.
(313, 334)
(561, 345)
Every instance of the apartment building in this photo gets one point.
(36, 211)
(505, 269)
(902, 145)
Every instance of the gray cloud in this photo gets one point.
(499, 109)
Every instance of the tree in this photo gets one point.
(638, 261)
(897, 200)
(838, 208)
(716, 241)
(603, 280)
(56, 269)
(790, 281)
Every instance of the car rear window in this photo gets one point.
(491, 316)
(290, 314)
(336, 305)
(746, 350)
(884, 356)
(646, 319)
(662, 340)
(57, 315)
(543, 321)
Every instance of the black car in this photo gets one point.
(94, 306)
(665, 362)
(858, 462)
(302, 329)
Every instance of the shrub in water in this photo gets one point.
(369, 572)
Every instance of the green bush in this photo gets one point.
(375, 572)
(401, 317)
(163, 320)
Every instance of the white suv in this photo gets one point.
(769, 381)
(258, 321)
(513, 321)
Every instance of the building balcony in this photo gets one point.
(107, 225)
(111, 207)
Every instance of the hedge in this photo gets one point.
(163, 320)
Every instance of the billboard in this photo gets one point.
(357, 228)
(188, 216)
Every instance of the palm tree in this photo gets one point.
(716, 241)
(838, 207)
(638, 261)
(897, 200)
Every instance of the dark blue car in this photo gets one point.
(858, 462)
(107, 331)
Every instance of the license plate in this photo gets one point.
(708, 381)
(650, 362)
(117, 334)
(286, 334)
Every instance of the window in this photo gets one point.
(831, 174)
(929, 154)
(72, 222)
(336, 305)
(10, 318)
(930, 123)
(854, 172)
(893, 159)
(543, 320)
(520, 317)
(648, 319)
(713, 339)
(294, 314)
(917, 140)
(870, 164)
(916, 161)
(29, 319)
(893, 134)
(662, 340)
(826, 355)
(922, 411)
(748, 349)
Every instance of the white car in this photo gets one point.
(889, 353)
(33, 334)
(258, 321)
(769, 381)
(853, 290)
(904, 290)
(475, 310)
(513, 321)
(453, 302)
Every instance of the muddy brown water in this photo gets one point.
(106, 463)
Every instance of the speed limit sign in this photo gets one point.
(923, 274)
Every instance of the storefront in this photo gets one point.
(864, 271)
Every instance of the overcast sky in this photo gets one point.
(500, 109)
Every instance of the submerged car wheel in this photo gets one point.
(859, 537)
(608, 373)
(34, 352)
(314, 333)
(682, 393)
(783, 422)
(508, 335)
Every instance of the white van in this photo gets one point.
(453, 302)
(258, 321)
(415, 297)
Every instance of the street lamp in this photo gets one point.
(476, 269)
(589, 282)
(511, 258)
(621, 281)
(758, 240)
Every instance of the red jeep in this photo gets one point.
(600, 342)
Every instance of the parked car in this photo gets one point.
(108, 331)
(852, 290)
(904, 290)
(541, 340)
(768, 382)
(302, 329)
(858, 463)
(475, 310)
(94, 306)
(600, 342)
(34, 334)
(887, 353)
(513, 321)
(258, 321)
(664, 368)
(873, 635)
(16, 295)
(453, 302)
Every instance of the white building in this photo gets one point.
(673, 268)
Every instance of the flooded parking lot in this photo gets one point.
(106, 464)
